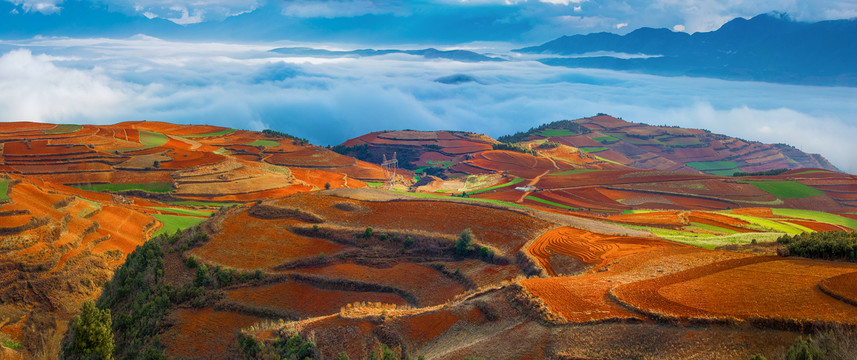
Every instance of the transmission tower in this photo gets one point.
(390, 168)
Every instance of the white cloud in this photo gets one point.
(619, 26)
(335, 8)
(42, 6)
(185, 18)
(678, 28)
(329, 101)
(32, 88)
(563, 2)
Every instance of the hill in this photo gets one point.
(200, 238)
(793, 52)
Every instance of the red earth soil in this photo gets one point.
(305, 300)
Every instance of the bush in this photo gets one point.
(804, 350)
(368, 232)
(190, 262)
(829, 245)
(464, 244)
(91, 333)
(409, 241)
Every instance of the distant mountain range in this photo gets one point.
(768, 47)
(430, 53)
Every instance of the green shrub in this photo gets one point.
(190, 262)
(464, 244)
(368, 232)
(409, 241)
(804, 350)
(91, 333)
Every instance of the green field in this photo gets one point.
(190, 212)
(729, 172)
(63, 129)
(548, 202)
(149, 139)
(374, 184)
(265, 143)
(817, 216)
(812, 172)
(442, 164)
(713, 228)
(4, 188)
(605, 139)
(223, 151)
(513, 182)
(218, 133)
(707, 241)
(769, 225)
(592, 149)
(713, 165)
(173, 223)
(556, 132)
(786, 189)
(575, 171)
(164, 187)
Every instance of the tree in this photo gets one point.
(327, 186)
(804, 350)
(91, 334)
(463, 245)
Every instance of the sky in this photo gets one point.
(242, 84)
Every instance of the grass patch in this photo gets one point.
(265, 143)
(9, 343)
(575, 171)
(605, 139)
(223, 151)
(786, 189)
(556, 132)
(217, 133)
(548, 202)
(513, 182)
(713, 228)
(173, 223)
(442, 164)
(63, 129)
(163, 187)
(711, 242)
(712, 165)
(812, 172)
(817, 216)
(374, 184)
(4, 188)
(592, 149)
(191, 212)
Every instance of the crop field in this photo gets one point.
(265, 143)
(203, 333)
(4, 189)
(572, 172)
(63, 129)
(556, 132)
(755, 288)
(819, 216)
(305, 300)
(190, 212)
(173, 223)
(708, 166)
(149, 140)
(787, 189)
(841, 287)
(548, 202)
(211, 134)
(593, 149)
(270, 244)
(578, 299)
(605, 139)
(163, 187)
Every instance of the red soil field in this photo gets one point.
(518, 164)
(817, 226)
(319, 178)
(310, 157)
(203, 333)
(589, 247)
(841, 287)
(506, 230)
(305, 300)
(667, 219)
(424, 327)
(246, 242)
(756, 288)
(406, 276)
(579, 300)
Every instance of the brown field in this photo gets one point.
(203, 333)
(246, 242)
(304, 300)
(841, 287)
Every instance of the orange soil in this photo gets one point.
(842, 286)
(203, 333)
(246, 242)
(579, 300)
(671, 219)
(427, 326)
(406, 276)
(818, 226)
(518, 164)
(319, 178)
(506, 230)
(589, 247)
(756, 288)
(310, 156)
(306, 300)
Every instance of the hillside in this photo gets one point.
(791, 51)
(227, 231)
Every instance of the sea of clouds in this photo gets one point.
(329, 100)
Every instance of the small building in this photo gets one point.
(525, 188)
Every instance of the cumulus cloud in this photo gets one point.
(336, 8)
(331, 100)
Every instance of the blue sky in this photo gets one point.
(459, 20)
